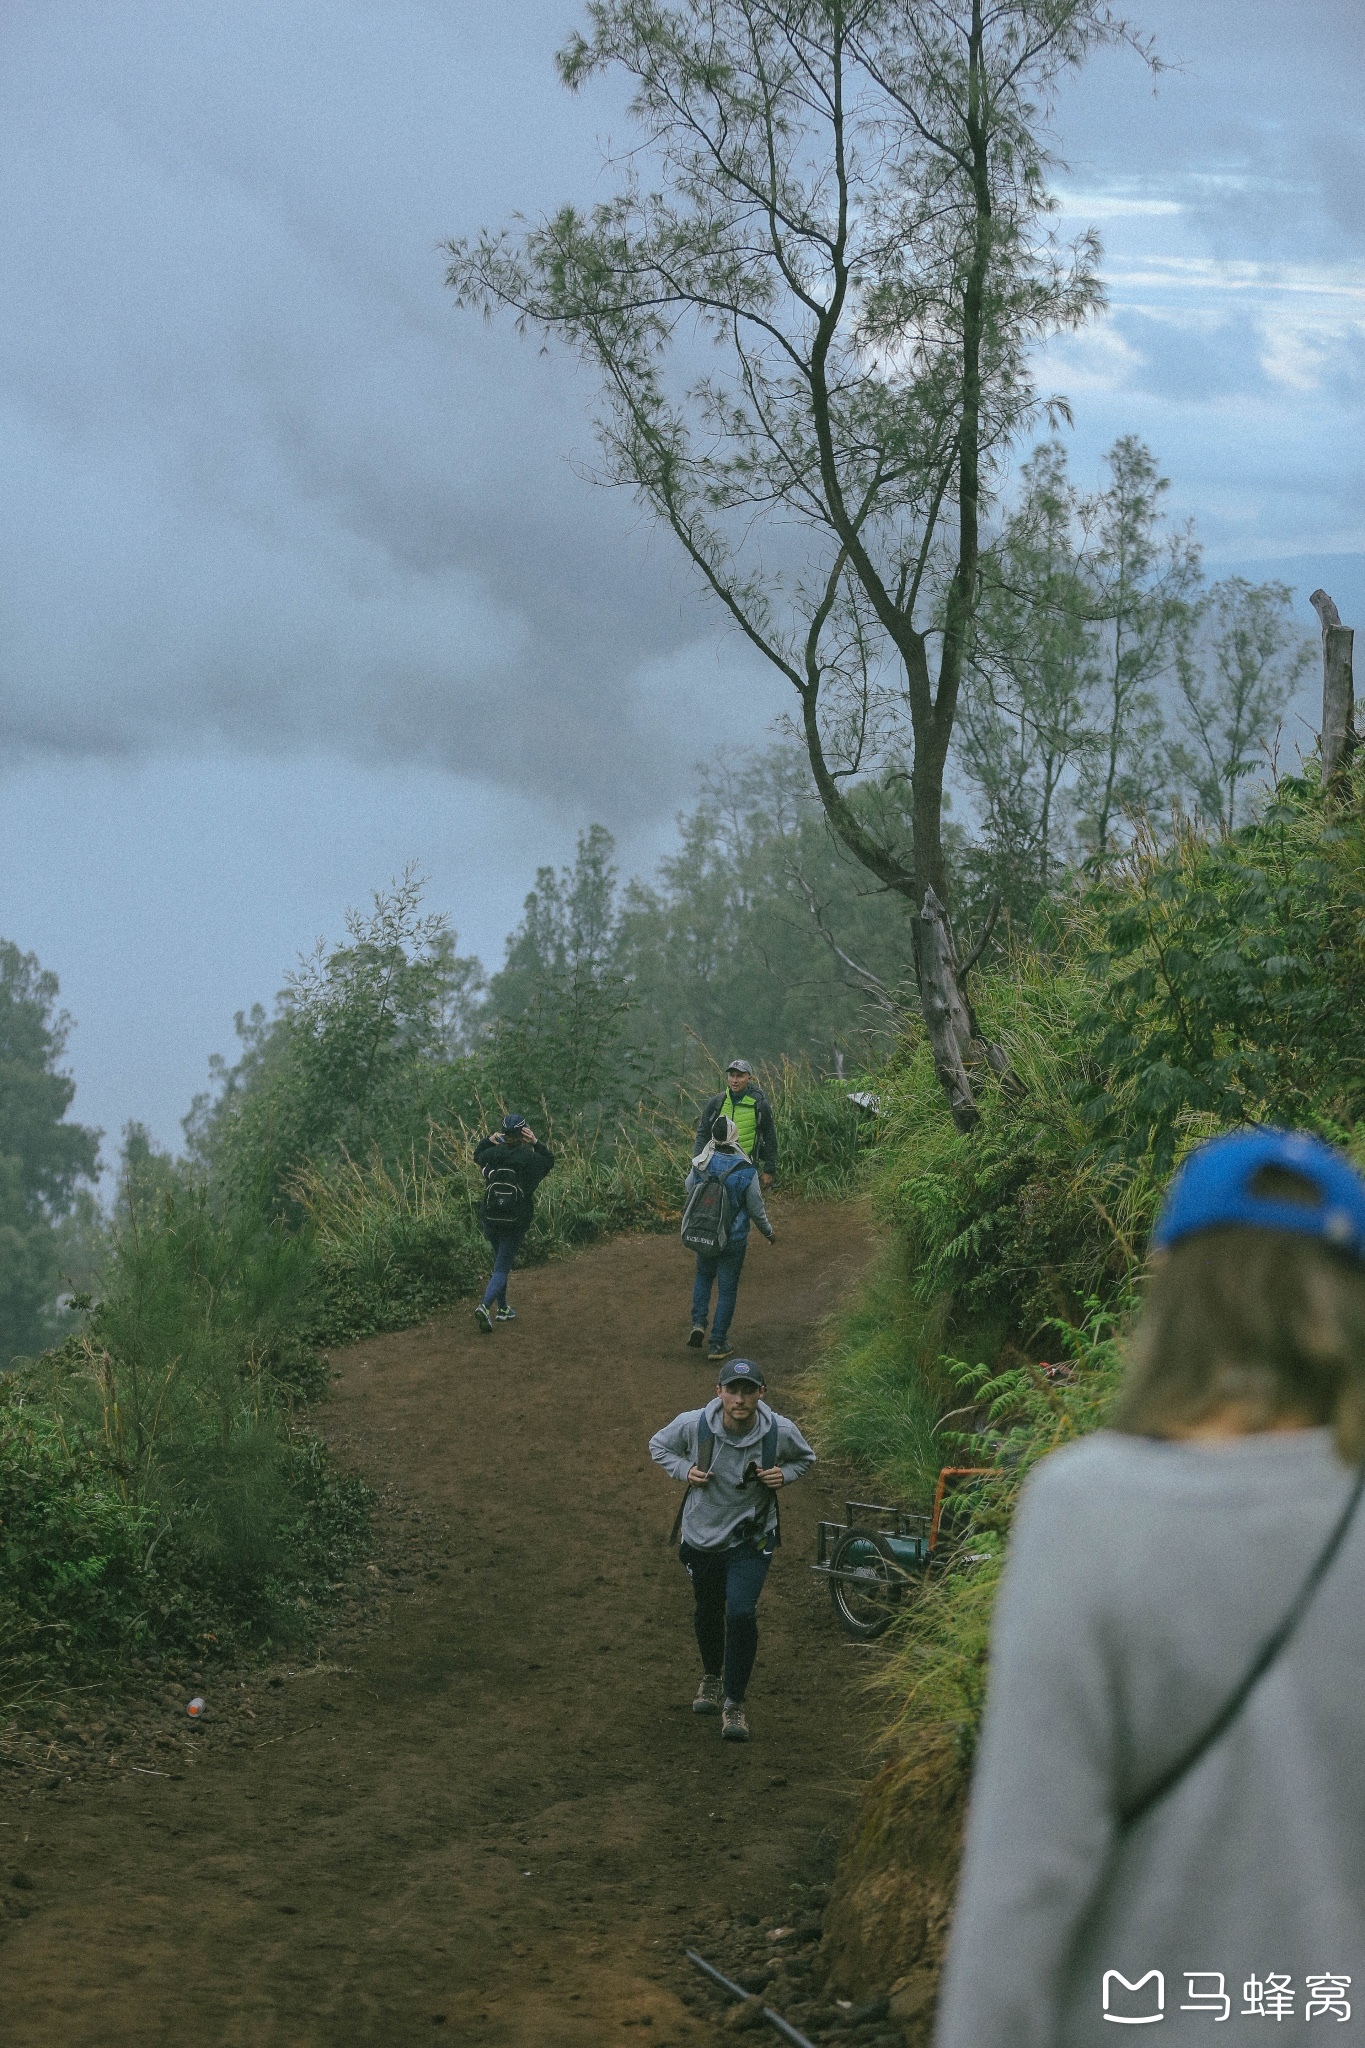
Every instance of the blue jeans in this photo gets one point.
(720, 1270)
(726, 1585)
(506, 1244)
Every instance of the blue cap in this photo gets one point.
(1213, 1187)
(741, 1372)
(513, 1122)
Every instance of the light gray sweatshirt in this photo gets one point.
(713, 1514)
(1142, 1578)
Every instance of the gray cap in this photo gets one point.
(739, 1067)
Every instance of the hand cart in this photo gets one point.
(877, 1556)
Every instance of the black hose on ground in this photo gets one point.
(774, 2019)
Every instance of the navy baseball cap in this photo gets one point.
(513, 1122)
(741, 1372)
(1214, 1186)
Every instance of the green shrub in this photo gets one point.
(158, 1490)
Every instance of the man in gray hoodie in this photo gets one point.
(734, 1455)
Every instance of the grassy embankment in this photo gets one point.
(163, 1498)
(1211, 983)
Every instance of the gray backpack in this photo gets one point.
(709, 1212)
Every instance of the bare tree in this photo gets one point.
(1146, 592)
(1027, 716)
(1235, 682)
(846, 199)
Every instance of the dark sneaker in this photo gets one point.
(483, 1319)
(505, 1315)
(698, 1337)
(718, 1351)
(734, 1722)
(708, 1695)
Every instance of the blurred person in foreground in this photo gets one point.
(1167, 1819)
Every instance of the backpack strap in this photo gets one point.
(769, 1455)
(706, 1448)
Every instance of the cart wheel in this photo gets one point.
(867, 1604)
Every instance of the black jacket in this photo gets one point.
(765, 1132)
(530, 1164)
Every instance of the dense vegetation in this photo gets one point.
(1208, 982)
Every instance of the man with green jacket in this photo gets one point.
(750, 1111)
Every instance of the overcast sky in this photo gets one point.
(303, 578)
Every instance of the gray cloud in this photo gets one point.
(271, 491)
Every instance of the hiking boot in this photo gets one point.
(698, 1337)
(718, 1351)
(505, 1315)
(483, 1319)
(708, 1695)
(734, 1722)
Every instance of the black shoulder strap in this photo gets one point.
(706, 1448)
(1265, 1657)
(769, 1455)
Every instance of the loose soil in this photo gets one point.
(485, 1813)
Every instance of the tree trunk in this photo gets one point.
(954, 1038)
(1338, 687)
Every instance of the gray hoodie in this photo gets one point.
(713, 1514)
(1142, 1577)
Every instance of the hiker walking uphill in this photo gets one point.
(751, 1113)
(722, 1198)
(513, 1163)
(735, 1454)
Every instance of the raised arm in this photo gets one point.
(675, 1445)
(794, 1455)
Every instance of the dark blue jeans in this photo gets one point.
(506, 1244)
(720, 1270)
(726, 1585)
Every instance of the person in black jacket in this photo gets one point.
(751, 1113)
(513, 1163)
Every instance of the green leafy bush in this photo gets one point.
(159, 1490)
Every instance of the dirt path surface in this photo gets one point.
(492, 1819)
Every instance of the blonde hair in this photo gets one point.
(1268, 1320)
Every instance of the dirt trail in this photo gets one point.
(494, 1820)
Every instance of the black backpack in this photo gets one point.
(504, 1198)
(709, 1212)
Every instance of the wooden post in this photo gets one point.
(1338, 687)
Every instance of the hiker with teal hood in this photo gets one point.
(1167, 1815)
(721, 1198)
(513, 1163)
(734, 1456)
